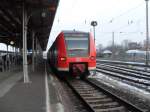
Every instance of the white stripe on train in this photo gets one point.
(67, 69)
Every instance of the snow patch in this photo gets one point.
(120, 85)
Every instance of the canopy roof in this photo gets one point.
(40, 14)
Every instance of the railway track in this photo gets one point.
(129, 68)
(138, 79)
(75, 104)
(97, 99)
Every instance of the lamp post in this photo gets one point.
(147, 35)
(94, 23)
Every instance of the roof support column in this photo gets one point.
(7, 60)
(16, 58)
(36, 45)
(20, 49)
(7, 48)
(13, 47)
(25, 64)
(33, 50)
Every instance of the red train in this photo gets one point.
(73, 51)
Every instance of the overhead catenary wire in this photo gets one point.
(129, 22)
(123, 14)
(126, 12)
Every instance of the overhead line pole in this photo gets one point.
(147, 35)
(113, 45)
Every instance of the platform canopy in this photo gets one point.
(40, 15)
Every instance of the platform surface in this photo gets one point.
(17, 96)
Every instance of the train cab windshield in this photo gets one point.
(77, 45)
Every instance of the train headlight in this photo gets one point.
(63, 59)
(92, 58)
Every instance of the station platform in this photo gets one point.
(39, 95)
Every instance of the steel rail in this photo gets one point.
(99, 100)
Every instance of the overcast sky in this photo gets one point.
(126, 16)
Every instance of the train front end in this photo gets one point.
(80, 50)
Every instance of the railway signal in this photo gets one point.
(94, 23)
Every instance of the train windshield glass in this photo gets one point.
(77, 46)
